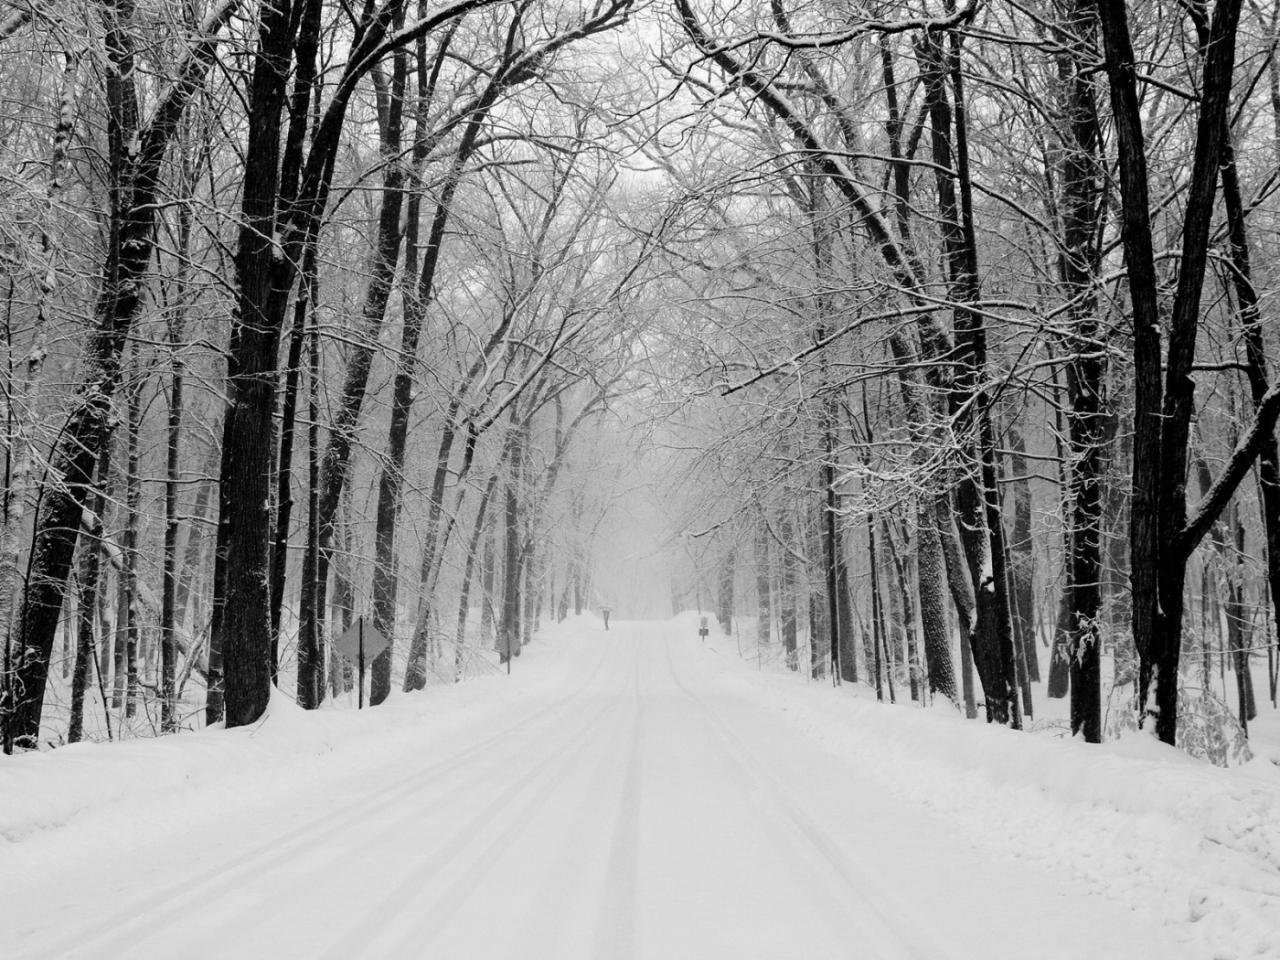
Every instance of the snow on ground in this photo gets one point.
(1138, 822)
(635, 793)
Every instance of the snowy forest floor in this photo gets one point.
(634, 793)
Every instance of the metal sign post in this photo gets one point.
(361, 645)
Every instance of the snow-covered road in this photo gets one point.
(629, 806)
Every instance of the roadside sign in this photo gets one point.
(361, 642)
(702, 629)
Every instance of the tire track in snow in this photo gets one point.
(540, 781)
(577, 878)
(616, 928)
(886, 921)
(145, 915)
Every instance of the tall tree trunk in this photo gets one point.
(509, 628)
(173, 458)
(848, 625)
(303, 310)
(1022, 555)
(309, 643)
(962, 597)
(1060, 659)
(764, 593)
(342, 434)
(1256, 372)
(488, 575)
(981, 529)
(788, 588)
(133, 523)
(342, 608)
(724, 593)
(19, 463)
(1237, 616)
(892, 605)
(464, 593)
(120, 658)
(1088, 416)
(906, 614)
(931, 573)
(877, 620)
(532, 598)
(243, 628)
(135, 155)
(1161, 537)
(86, 647)
(391, 479)
(168, 608)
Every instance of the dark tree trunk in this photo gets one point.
(724, 594)
(1164, 400)
(848, 624)
(168, 606)
(128, 616)
(302, 311)
(1022, 556)
(244, 626)
(877, 619)
(169, 610)
(1059, 683)
(977, 504)
(342, 606)
(1255, 366)
(488, 575)
(1088, 416)
(309, 644)
(415, 677)
(186, 596)
(789, 586)
(86, 646)
(905, 612)
(415, 299)
(464, 594)
(962, 597)
(1227, 539)
(939, 560)
(136, 156)
(509, 628)
(1237, 616)
(120, 651)
(764, 593)
(336, 464)
(832, 556)
(532, 596)
(823, 255)
(932, 575)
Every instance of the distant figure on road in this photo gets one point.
(604, 612)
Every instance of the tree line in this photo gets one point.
(985, 284)
(948, 323)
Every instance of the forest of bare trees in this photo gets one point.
(938, 335)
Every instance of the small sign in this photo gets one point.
(702, 628)
(348, 645)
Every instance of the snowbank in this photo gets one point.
(167, 782)
(1141, 823)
